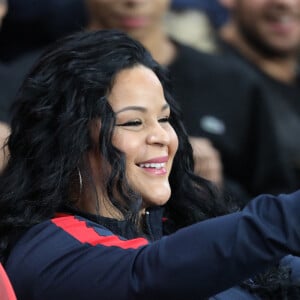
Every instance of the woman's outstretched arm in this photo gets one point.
(73, 258)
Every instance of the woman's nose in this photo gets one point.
(158, 135)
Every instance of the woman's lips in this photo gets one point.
(155, 166)
(133, 22)
(157, 169)
(160, 159)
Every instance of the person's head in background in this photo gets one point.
(3, 10)
(141, 19)
(264, 29)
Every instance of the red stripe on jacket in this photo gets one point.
(81, 232)
(6, 289)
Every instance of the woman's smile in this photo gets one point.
(155, 166)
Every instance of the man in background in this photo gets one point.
(264, 37)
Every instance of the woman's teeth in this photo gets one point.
(153, 165)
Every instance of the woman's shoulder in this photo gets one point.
(62, 231)
(63, 245)
(61, 235)
(69, 230)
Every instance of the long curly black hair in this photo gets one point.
(63, 93)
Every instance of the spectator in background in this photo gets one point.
(264, 37)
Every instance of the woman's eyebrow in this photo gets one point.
(140, 108)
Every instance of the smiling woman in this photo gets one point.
(99, 186)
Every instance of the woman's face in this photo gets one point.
(143, 133)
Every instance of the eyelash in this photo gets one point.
(164, 120)
(131, 123)
(138, 123)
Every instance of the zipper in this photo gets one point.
(148, 226)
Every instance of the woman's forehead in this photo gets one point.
(137, 86)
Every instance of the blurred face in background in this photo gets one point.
(272, 27)
(3, 10)
(135, 17)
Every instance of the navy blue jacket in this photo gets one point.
(72, 257)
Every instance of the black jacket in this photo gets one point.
(229, 103)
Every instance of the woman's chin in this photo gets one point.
(157, 199)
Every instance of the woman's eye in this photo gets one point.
(131, 123)
(164, 120)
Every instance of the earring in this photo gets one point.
(80, 180)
